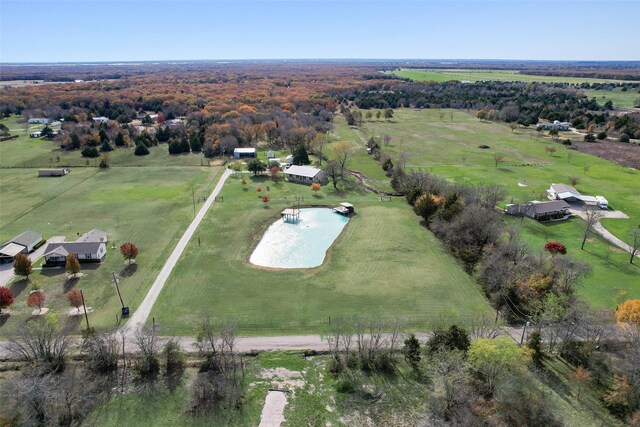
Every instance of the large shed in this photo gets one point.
(242, 153)
(28, 239)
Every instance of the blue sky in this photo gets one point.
(95, 30)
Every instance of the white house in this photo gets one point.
(36, 134)
(56, 253)
(557, 125)
(39, 121)
(304, 174)
(241, 153)
(101, 119)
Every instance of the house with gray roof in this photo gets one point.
(56, 253)
(94, 235)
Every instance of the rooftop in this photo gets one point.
(28, 238)
(307, 171)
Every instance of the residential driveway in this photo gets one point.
(599, 228)
(140, 316)
(6, 270)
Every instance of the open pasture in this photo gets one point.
(383, 264)
(443, 75)
(449, 147)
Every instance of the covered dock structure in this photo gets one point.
(345, 208)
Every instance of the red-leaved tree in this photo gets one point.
(36, 299)
(75, 298)
(129, 251)
(555, 248)
(6, 298)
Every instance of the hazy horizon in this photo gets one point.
(145, 31)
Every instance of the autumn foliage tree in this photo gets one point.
(6, 298)
(581, 378)
(555, 248)
(265, 200)
(36, 299)
(75, 298)
(72, 265)
(629, 312)
(129, 251)
(22, 265)
(315, 187)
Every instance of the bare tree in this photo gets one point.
(592, 217)
(42, 342)
(573, 180)
(101, 352)
(497, 159)
(147, 342)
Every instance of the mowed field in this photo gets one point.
(149, 205)
(443, 75)
(383, 264)
(448, 148)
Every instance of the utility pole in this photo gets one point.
(125, 310)
(523, 332)
(193, 196)
(86, 317)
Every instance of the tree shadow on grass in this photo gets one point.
(3, 318)
(129, 270)
(19, 286)
(71, 324)
(69, 284)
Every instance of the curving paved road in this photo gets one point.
(140, 316)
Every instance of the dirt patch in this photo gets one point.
(621, 153)
(283, 378)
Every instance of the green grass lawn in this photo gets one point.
(384, 263)
(443, 75)
(619, 98)
(150, 206)
(448, 148)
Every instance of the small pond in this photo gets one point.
(301, 244)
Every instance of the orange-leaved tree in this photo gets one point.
(36, 299)
(629, 312)
(72, 265)
(75, 298)
(316, 186)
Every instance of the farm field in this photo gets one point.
(443, 75)
(619, 98)
(383, 263)
(448, 147)
(150, 206)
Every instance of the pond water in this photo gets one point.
(301, 244)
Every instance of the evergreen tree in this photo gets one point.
(300, 156)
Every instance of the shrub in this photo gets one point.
(345, 385)
(335, 365)
(555, 248)
(602, 135)
(141, 150)
(412, 195)
(455, 338)
(590, 137)
(624, 138)
(566, 142)
(175, 147)
(174, 356)
(90, 152)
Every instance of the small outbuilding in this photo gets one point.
(36, 134)
(270, 154)
(39, 121)
(101, 119)
(53, 172)
(304, 174)
(244, 153)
